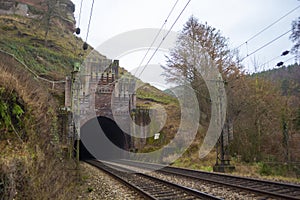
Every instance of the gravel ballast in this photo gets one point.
(97, 185)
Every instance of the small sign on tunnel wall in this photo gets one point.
(156, 136)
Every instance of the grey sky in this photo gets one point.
(237, 20)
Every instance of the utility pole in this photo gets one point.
(69, 109)
(222, 157)
(75, 106)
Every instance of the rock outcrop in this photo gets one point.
(63, 10)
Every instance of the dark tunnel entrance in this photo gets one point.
(102, 138)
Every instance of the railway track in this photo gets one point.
(262, 187)
(150, 187)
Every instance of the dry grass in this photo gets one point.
(37, 168)
(252, 170)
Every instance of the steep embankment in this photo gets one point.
(32, 47)
(31, 157)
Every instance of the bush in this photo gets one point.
(265, 169)
(278, 169)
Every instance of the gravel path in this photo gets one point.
(97, 185)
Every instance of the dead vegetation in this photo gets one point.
(35, 168)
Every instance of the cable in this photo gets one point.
(254, 36)
(91, 13)
(32, 71)
(279, 64)
(268, 61)
(284, 53)
(156, 36)
(265, 45)
(289, 59)
(77, 31)
(80, 13)
(165, 37)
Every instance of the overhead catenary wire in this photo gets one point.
(77, 31)
(80, 10)
(281, 63)
(268, 61)
(284, 53)
(289, 59)
(163, 39)
(89, 24)
(155, 38)
(85, 46)
(265, 45)
(269, 26)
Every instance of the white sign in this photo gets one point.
(156, 136)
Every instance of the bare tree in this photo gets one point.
(199, 48)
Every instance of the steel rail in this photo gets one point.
(269, 188)
(149, 186)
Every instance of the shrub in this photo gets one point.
(264, 169)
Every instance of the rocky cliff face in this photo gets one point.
(61, 10)
(6, 5)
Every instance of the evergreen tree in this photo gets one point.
(295, 37)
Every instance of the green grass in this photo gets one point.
(150, 93)
(24, 39)
(285, 170)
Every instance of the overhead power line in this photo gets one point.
(155, 38)
(91, 14)
(284, 53)
(85, 45)
(163, 39)
(265, 45)
(78, 27)
(266, 28)
(80, 13)
(289, 59)
(269, 61)
(281, 63)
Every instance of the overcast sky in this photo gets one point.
(238, 20)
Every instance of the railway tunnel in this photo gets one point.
(107, 95)
(102, 138)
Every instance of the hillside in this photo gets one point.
(287, 78)
(35, 52)
(38, 50)
(24, 38)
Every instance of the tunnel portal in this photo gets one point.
(102, 138)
